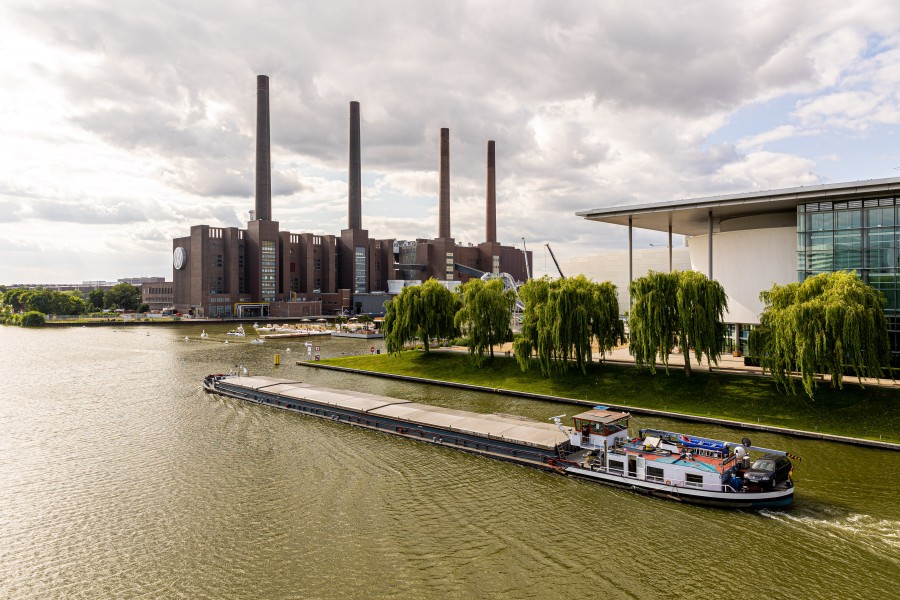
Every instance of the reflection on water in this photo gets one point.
(121, 478)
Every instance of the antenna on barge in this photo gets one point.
(558, 421)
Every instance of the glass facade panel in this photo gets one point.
(848, 250)
(835, 236)
(821, 221)
(848, 219)
(880, 217)
(881, 249)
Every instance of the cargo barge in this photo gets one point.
(598, 448)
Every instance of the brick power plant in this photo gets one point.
(263, 271)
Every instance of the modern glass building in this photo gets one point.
(854, 235)
(748, 242)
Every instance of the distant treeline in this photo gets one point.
(50, 302)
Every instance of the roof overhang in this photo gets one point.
(691, 217)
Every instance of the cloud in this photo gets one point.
(782, 132)
(143, 113)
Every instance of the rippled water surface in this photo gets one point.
(120, 478)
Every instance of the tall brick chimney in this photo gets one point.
(263, 161)
(490, 223)
(444, 205)
(354, 179)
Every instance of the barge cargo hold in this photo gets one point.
(598, 448)
(508, 438)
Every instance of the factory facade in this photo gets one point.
(264, 271)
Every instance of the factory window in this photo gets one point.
(449, 271)
(317, 264)
(317, 240)
(360, 270)
(268, 271)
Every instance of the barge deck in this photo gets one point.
(508, 438)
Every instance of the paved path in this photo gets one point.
(727, 364)
(731, 364)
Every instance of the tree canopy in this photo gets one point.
(682, 308)
(484, 316)
(562, 320)
(46, 301)
(424, 312)
(827, 323)
(124, 296)
(95, 298)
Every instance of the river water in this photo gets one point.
(120, 478)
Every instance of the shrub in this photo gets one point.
(33, 318)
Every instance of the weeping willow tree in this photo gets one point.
(485, 315)
(535, 337)
(653, 321)
(701, 304)
(682, 308)
(825, 324)
(563, 319)
(423, 312)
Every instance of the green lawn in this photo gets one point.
(873, 412)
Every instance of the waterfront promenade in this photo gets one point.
(728, 364)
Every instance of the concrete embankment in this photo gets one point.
(632, 409)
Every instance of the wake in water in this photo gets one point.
(868, 532)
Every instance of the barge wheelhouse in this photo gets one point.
(675, 465)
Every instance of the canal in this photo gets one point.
(120, 478)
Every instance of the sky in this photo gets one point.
(122, 124)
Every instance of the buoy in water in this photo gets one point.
(277, 359)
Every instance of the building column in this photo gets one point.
(709, 221)
(630, 262)
(670, 244)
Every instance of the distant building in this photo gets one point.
(263, 271)
(157, 295)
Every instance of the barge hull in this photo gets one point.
(773, 499)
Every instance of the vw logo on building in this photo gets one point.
(178, 258)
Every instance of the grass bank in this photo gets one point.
(873, 412)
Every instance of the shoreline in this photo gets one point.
(621, 407)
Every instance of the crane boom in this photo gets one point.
(555, 262)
